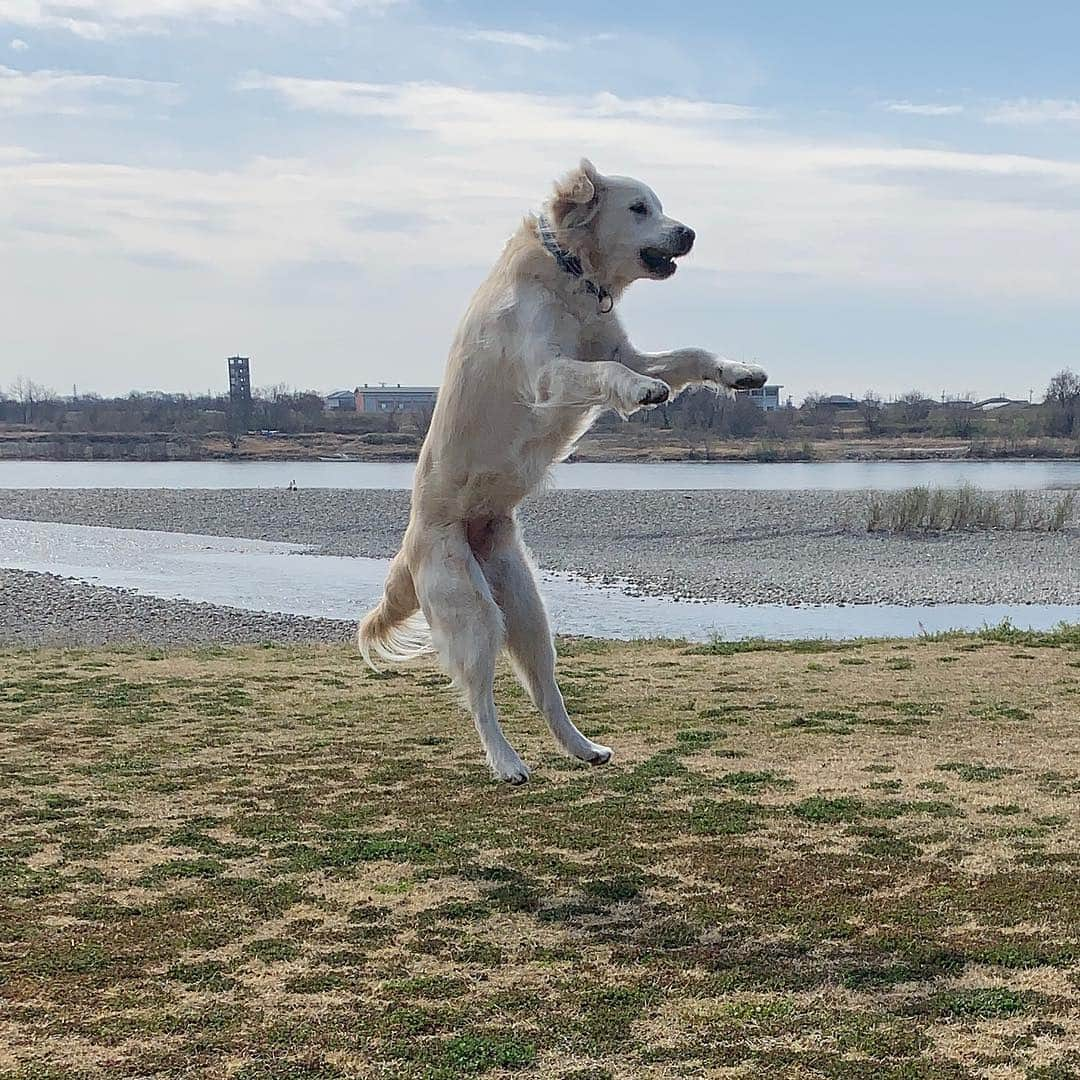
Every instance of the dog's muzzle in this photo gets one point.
(660, 262)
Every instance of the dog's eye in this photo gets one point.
(639, 208)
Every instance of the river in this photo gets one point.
(620, 476)
(263, 576)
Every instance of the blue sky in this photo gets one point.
(885, 197)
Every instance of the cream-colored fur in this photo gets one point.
(535, 360)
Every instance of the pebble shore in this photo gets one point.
(43, 609)
(787, 547)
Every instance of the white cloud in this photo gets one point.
(533, 42)
(1021, 111)
(1026, 111)
(460, 166)
(681, 128)
(912, 108)
(98, 19)
(461, 112)
(65, 92)
(672, 109)
(18, 45)
(16, 153)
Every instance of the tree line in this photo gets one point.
(696, 415)
(718, 416)
(277, 408)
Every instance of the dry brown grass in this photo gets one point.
(855, 861)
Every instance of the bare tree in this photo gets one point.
(817, 413)
(421, 418)
(274, 393)
(912, 408)
(28, 394)
(1062, 403)
(1064, 388)
(780, 423)
(871, 412)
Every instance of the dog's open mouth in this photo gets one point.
(659, 263)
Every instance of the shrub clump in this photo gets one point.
(966, 508)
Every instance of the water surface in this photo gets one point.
(618, 476)
(262, 576)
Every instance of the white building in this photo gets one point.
(767, 397)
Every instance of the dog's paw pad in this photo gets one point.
(656, 394)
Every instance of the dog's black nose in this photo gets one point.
(684, 238)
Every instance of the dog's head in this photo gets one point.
(618, 225)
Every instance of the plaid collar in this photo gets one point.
(571, 264)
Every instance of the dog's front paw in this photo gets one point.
(737, 376)
(631, 392)
(652, 392)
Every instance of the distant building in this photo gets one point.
(340, 401)
(239, 393)
(995, 403)
(239, 379)
(766, 397)
(839, 401)
(383, 399)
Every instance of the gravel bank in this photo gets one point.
(792, 547)
(42, 609)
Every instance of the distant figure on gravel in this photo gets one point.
(539, 355)
(292, 486)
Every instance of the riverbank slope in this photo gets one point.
(630, 444)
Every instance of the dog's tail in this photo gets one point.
(395, 630)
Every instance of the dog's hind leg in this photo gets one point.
(467, 632)
(530, 643)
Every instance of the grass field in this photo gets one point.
(806, 861)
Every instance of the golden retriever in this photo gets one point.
(538, 356)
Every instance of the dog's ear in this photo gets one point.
(577, 197)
